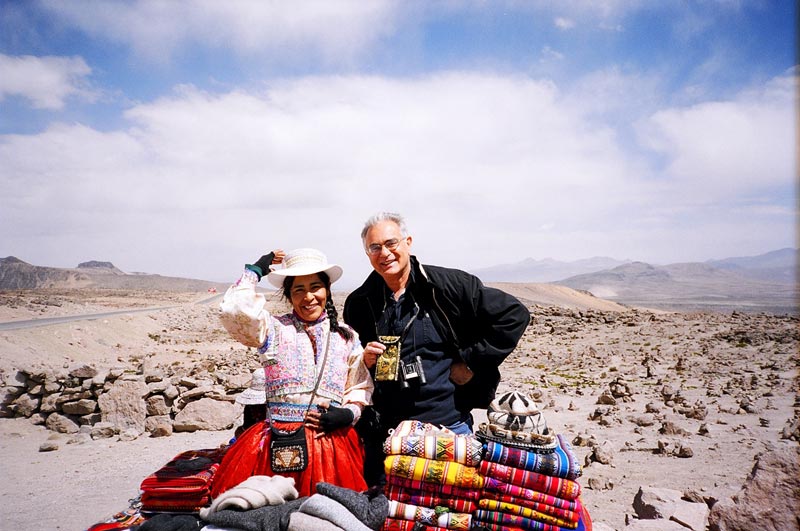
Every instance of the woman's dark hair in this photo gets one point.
(333, 315)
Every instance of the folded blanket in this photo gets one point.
(398, 524)
(561, 463)
(305, 522)
(464, 449)
(563, 488)
(442, 472)
(267, 518)
(564, 514)
(449, 491)
(174, 502)
(425, 499)
(539, 516)
(429, 516)
(511, 521)
(189, 471)
(332, 511)
(254, 492)
(522, 493)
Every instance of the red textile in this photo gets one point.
(521, 493)
(426, 499)
(183, 484)
(335, 457)
(563, 488)
(450, 491)
(397, 524)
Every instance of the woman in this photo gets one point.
(315, 374)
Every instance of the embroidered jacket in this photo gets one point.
(290, 358)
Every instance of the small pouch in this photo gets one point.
(288, 451)
(387, 367)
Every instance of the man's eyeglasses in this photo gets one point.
(375, 248)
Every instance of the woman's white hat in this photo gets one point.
(303, 262)
(257, 392)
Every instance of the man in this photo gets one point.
(453, 332)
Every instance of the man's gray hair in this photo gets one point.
(384, 216)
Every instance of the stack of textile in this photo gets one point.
(529, 472)
(183, 484)
(432, 478)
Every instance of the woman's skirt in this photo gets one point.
(336, 457)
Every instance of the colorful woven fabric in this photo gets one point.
(398, 524)
(513, 521)
(584, 523)
(132, 516)
(159, 503)
(521, 493)
(425, 499)
(189, 471)
(464, 449)
(430, 516)
(561, 463)
(442, 472)
(417, 427)
(563, 488)
(522, 439)
(564, 514)
(539, 516)
(449, 491)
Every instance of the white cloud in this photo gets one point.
(564, 23)
(336, 31)
(737, 147)
(487, 168)
(46, 81)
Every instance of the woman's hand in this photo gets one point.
(278, 255)
(371, 353)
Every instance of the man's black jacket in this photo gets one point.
(482, 324)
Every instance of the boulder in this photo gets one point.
(769, 496)
(61, 423)
(157, 406)
(653, 503)
(26, 405)
(206, 414)
(124, 406)
(84, 406)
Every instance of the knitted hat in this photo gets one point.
(257, 392)
(303, 262)
(514, 420)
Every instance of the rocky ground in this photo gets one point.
(681, 401)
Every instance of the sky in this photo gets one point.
(187, 138)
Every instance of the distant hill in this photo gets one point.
(775, 266)
(545, 270)
(18, 274)
(687, 286)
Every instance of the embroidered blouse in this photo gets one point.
(291, 359)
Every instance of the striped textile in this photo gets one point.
(564, 514)
(562, 488)
(417, 497)
(510, 521)
(449, 491)
(441, 472)
(464, 449)
(398, 524)
(510, 508)
(561, 463)
(521, 493)
(429, 516)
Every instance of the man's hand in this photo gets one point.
(371, 353)
(460, 374)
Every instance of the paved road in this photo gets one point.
(45, 321)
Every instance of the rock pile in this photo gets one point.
(124, 401)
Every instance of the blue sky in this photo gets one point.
(186, 138)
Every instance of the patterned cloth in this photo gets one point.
(521, 493)
(464, 449)
(426, 499)
(561, 463)
(397, 524)
(441, 472)
(521, 439)
(184, 483)
(450, 491)
(539, 516)
(430, 516)
(511, 521)
(558, 512)
(563, 488)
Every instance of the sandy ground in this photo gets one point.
(716, 363)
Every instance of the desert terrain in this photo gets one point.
(671, 400)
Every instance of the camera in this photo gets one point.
(410, 371)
